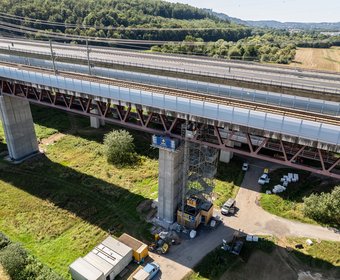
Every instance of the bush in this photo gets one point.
(13, 259)
(324, 207)
(19, 265)
(119, 147)
(38, 271)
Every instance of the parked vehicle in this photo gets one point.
(148, 272)
(245, 166)
(263, 179)
(228, 206)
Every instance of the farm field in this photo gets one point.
(59, 205)
(317, 59)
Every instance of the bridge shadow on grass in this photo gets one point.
(79, 125)
(265, 260)
(3, 147)
(95, 201)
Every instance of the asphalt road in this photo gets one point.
(310, 79)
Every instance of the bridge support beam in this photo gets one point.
(226, 156)
(18, 125)
(169, 184)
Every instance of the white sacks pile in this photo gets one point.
(285, 180)
(278, 189)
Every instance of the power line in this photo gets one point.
(51, 34)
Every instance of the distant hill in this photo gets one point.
(326, 26)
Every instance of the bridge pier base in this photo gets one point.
(226, 156)
(19, 130)
(169, 184)
(96, 122)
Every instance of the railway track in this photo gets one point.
(283, 111)
(189, 60)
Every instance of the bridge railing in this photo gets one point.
(178, 70)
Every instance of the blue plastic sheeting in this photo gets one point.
(315, 131)
(283, 100)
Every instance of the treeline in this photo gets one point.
(301, 39)
(250, 49)
(120, 14)
(20, 265)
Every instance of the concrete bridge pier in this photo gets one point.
(226, 156)
(169, 184)
(19, 130)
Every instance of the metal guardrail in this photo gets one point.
(314, 89)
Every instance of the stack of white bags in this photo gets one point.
(285, 180)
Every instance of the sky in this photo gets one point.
(280, 10)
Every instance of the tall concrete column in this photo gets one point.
(19, 128)
(226, 156)
(169, 184)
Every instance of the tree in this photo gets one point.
(119, 147)
(324, 207)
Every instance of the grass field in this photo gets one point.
(289, 204)
(322, 254)
(318, 59)
(59, 205)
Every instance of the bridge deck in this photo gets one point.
(323, 129)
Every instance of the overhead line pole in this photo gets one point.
(52, 56)
(88, 56)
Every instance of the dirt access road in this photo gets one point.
(254, 220)
(250, 218)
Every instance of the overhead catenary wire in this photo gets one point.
(66, 36)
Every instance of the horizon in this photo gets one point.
(264, 10)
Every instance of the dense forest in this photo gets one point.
(122, 14)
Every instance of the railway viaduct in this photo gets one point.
(251, 111)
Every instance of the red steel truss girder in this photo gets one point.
(165, 126)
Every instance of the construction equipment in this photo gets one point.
(160, 245)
